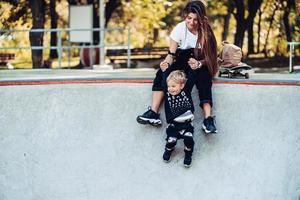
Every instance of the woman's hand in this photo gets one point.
(194, 64)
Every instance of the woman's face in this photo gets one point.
(191, 21)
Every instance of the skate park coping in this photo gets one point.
(143, 75)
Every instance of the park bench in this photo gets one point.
(6, 58)
(143, 54)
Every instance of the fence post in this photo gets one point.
(291, 58)
(128, 49)
(59, 49)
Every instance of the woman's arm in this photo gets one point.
(170, 57)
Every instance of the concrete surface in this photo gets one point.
(137, 74)
(81, 142)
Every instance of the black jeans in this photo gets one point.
(203, 78)
(176, 131)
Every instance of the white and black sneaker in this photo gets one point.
(209, 125)
(149, 117)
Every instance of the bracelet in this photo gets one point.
(199, 64)
(172, 54)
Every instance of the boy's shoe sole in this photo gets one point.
(187, 166)
(207, 131)
(167, 161)
(153, 122)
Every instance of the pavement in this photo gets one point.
(72, 135)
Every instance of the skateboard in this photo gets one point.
(231, 72)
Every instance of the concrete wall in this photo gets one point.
(81, 142)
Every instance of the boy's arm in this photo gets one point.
(165, 75)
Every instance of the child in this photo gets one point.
(179, 110)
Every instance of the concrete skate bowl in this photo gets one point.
(79, 140)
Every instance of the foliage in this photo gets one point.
(144, 17)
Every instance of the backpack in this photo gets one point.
(230, 56)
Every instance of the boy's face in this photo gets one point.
(174, 88)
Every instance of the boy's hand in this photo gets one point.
(194, 64)
(164, 65)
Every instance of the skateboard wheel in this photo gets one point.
(247, 75)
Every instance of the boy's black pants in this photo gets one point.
(176, 131)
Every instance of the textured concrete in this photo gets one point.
(81, 142)
(138, 74)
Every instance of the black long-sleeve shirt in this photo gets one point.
(178, 104)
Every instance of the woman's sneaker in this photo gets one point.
(149, 117)
(167, 156)
(209, 125)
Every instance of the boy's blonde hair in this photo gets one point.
(178, 76)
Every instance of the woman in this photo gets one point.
(192, 46)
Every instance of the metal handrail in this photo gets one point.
(60, 47)
(60, 29)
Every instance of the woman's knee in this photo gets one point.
(157, 82)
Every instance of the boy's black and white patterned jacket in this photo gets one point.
(181, 103)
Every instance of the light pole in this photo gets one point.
(102, 24)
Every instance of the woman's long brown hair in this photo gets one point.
(206, 37)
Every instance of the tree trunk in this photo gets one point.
(253, 7)
(258, 31)
(110, 7)
(277, 5)
(260, 11)
(287, 26)
(286, 21)
(240, 23)
(36, 38)
(226, 21)
(53, 39)
(250, 37)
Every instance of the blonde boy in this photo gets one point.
(179, 110)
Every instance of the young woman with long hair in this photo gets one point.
(192, 46)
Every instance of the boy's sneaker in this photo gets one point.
(209, 125)
(187, 162)
(167, 155)
(149, 117)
